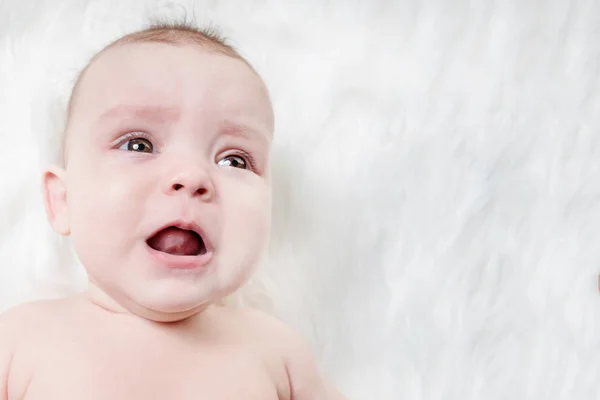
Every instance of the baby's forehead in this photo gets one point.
(151, 71)
(131, 61)
(174, 35)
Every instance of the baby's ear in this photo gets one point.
(55, 199)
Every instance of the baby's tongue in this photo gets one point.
(176, 241)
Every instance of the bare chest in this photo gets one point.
(105, 367)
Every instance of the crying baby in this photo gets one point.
(164, 189)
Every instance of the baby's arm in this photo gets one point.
(14, 324)
(7, 338)
(301, 379)
(305, 381)
(4, 365)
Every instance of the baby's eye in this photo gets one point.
(138, 145)
(234, 161)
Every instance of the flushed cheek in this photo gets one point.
(104, 211)
(244, 237)
(247, 221)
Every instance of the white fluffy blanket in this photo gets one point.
(437, 181)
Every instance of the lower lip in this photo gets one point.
(181, 262)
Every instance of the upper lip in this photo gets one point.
(188, 226)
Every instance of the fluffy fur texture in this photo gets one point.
(437, 181)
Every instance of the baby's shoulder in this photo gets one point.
(23, 320)
(280, 341)
(267, 332)
(257, 325)
(18, 325)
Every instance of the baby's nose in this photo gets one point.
(194, 181)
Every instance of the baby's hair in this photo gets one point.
(174, 33)
(177, 33)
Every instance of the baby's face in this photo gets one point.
(164, 136)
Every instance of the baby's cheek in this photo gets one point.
(251, 217)
(102, 204)
(245, 235)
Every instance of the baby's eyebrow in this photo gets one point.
(240, 130)
(157, 113)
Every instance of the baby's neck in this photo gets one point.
(100, 300)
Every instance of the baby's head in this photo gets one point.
(165, 187)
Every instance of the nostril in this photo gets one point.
(201, 191)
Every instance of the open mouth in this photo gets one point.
(177, 241)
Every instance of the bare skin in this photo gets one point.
(161, 137)
(75, 349)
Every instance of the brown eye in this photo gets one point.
(138, 145)
(234, 161)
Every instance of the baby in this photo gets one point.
(165, 192)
